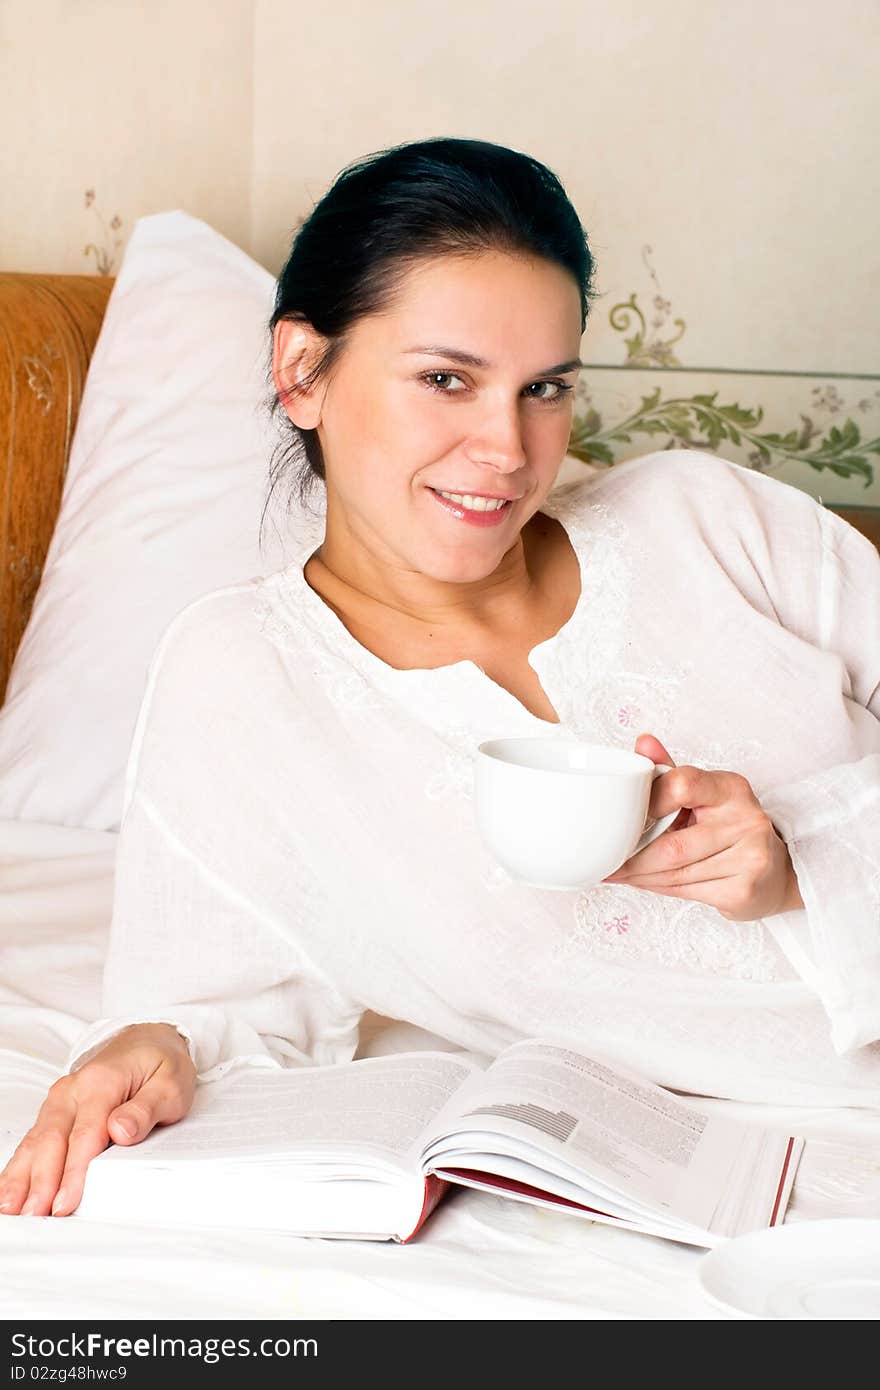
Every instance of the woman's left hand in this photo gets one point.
(722, 850)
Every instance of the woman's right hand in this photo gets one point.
(143, 1077)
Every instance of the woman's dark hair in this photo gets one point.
(390, 210)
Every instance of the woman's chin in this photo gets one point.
(465, 569)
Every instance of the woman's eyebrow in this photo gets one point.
(467, 359)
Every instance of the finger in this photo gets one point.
(40, 1159)
(694, 787)
(719, 893)
(88, 1137)
(727, 861)
(15, 1180)
(727, 895)
(161, 1100)
(46, 1135)
(716, 869)
(674, 852)
(651, 747)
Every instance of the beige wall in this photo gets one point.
(148, 102)
(736, 141)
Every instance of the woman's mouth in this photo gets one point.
(475, 511)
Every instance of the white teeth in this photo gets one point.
(475, 504)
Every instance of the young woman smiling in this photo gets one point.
(298, 847)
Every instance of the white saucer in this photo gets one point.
(823, 1270)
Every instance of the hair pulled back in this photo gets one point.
(385, 213)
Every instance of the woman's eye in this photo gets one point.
(430, 379)
(560, 388)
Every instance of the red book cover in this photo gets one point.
(514, 1185)
(435, 1189)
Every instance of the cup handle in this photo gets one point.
(664, 822)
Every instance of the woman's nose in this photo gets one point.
(499, 441)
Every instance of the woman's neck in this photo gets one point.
(537, 581)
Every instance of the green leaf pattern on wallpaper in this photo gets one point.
(680, 421)
(706, 419)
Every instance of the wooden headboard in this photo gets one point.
(49, 325)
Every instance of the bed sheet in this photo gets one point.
(479, 1257)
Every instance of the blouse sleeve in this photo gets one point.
(830, 819)
(187, 946)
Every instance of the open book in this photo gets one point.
(367, 1149)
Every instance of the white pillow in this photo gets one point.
(165, 488)
(166, 483)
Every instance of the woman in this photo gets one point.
(298, 845)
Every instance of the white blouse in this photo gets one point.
(298, 843)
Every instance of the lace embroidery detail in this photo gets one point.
(623, 924)
(598, 695)
(728, 756)
(578, 664)
(608, 702)
(346, 687)
(351, 690)
(455, 777)
(618, 924)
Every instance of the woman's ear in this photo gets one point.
(295, 348)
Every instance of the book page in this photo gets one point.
(375, 1107)
(595, 1124)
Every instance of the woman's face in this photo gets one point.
(404, 419)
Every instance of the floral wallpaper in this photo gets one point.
(817, 431)
(107, 254)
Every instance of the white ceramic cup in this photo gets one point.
(560, 813)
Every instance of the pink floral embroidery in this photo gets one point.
(626, 716)
(618, 924)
